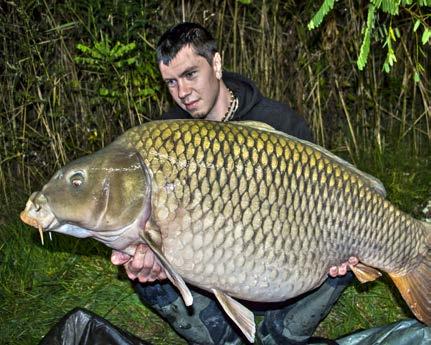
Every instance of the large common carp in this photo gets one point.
(238, 209)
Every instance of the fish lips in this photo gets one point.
(39, 216)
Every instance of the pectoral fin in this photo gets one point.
(365, 273)
(173, 276)
(239, 314)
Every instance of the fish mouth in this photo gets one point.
(39, 217)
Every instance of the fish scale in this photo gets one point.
(238, 209)
(231, 172)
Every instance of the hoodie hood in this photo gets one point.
(246, 91)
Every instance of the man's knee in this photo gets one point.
(202, 323)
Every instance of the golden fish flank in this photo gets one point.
(240, 210)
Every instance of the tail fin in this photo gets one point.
(415, 287)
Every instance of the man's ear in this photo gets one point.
(217, 65)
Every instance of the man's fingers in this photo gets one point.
(143, 265)
(156, 271)
(148, 259)
(137, 263)
(353, 260)
(342, 270)
(119, 258)
(333, 271)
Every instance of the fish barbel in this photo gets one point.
(238, 209)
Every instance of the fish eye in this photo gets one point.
(77, 179)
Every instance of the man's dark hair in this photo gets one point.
(181, 35)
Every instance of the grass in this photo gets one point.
(362, 307)
(39, 284)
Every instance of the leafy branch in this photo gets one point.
(391, 7)
(134, 71)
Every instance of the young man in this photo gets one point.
(192, 70)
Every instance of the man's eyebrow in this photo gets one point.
(188, 70)
(182, 75)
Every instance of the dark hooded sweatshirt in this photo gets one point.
(253, 106)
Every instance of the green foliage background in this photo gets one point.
(76, 74)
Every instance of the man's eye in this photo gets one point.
(171, 83)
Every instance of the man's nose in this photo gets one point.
(183, 89)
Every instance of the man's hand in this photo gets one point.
(341, 270)
(143, 266)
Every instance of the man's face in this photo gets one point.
(192, 81)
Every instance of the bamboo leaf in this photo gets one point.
(124, 49)
(391, 34)
(417, 23)
(386, 67)
(321, 13)
(397, 33)
(365, 47)
(391, 6)
(83, 48)
(103, 92)
(426, 36)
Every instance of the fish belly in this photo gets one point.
(259, 270)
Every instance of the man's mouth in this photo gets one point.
(191, 105)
